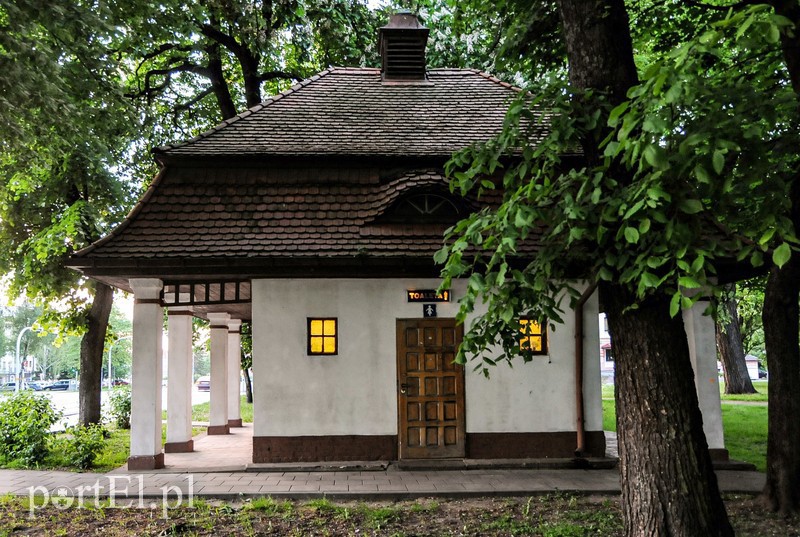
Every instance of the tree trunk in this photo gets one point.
(780, 319)
(731, 353)
(668, 483)
(780, 316)
(92, 346)
(248, 385)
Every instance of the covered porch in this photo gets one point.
(225, 304)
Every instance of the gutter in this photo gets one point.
(579, 410)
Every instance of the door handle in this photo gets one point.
(403, 388)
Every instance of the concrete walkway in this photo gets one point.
(220, 468)
(381, 484)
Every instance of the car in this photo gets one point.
(58, 385)
(8, 387)
(36, 386)
(203, 384)
(120, 382)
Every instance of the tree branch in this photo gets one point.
(272, 75)
(739, 5)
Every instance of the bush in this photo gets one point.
(120, 410)
(25, 422)
(83, 444)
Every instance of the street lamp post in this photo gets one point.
(17, 364)
(111, 348)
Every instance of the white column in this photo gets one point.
(179, 387)
(146, 375)
(218, 423)
(703, 353)
(234, 375)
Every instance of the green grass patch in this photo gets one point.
(607, 391)
(202, 411)
(762, 386)
(609, 415)
(745, 428)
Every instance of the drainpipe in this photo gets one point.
(580, 429)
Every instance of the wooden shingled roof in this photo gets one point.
(347, 111)
(298, 186)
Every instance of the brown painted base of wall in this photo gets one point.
(179, 447)
(718, 454)
(146, 462)
(532, 445)
(235, 423)
(324, 448)
(218, 429)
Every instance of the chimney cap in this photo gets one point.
(402, 47)
(404, 19)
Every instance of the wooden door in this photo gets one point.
(430, 389)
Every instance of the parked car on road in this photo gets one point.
(36, 385)
(203, 384)
(11, 386)
(120, 382)
(58, 385)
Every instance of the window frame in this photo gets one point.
(544, 351)
(310, 336)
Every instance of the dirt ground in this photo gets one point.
(551, 515)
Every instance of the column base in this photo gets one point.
(235, 423)
(719, 454)
(146, 462)
(218, 429)
(179, 447)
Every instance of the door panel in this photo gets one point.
(430, 389)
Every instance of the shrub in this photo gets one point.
(83, 444)
(25, 422)
(120, 410)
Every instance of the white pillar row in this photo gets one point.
(179, 387)
(146, 375)
(703, 353)
(218, 421)
(234, 373)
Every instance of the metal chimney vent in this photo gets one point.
(402, 46)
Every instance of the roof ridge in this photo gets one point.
(492, 78)
(248, 112)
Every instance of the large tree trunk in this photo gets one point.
(248, 383)
(668, 483)
(92, 346)
(780, 317)
(729, 345)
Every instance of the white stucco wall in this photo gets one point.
(355, 391)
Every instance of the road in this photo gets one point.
(67, 402)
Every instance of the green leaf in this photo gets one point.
(631, 235)
(688, 282)
(702, 175)
(691, 206)
(718, 161)
(675, 304)
(656, 157)
(781, 254)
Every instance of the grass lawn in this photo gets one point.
(761, 386)
(745, 428)
(202, 411)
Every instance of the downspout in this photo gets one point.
(580, 427)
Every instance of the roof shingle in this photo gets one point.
(350, 111)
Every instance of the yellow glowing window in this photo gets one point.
(323, 336)
(534, 336)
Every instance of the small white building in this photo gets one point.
(315, 217)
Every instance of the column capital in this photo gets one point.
(146, 288)
(234, 325)
(219, 320)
